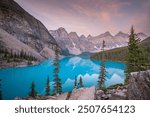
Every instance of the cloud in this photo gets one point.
(91, 16)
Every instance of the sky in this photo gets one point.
(91, 16)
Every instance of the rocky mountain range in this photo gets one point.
(23, 31)
(74, 44)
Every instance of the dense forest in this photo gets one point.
(120, 54)
(11, 56)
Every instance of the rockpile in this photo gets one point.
(112, 94)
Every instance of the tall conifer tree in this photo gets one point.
(0, 91)
(75, 83)
(47, 90)
(136, 59)
(57, 81)
(81, 82)
(32, 93)
(102, 75)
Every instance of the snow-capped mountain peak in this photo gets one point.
(73, 35)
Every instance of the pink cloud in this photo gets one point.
(88, 16)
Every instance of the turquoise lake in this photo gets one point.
(16, 81)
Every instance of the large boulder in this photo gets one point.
(139, 86)
(83, 94)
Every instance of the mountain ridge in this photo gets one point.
(80, 44)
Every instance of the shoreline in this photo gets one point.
(5, 65)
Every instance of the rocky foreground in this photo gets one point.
(138, 88)
(76, 94)
(86, 94)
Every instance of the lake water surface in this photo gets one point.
(17, 81)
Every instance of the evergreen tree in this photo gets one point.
(75, 83)
(102, 75)
(143, 60)
(0, 91)
(15, 55)
(133, 52)
(32, 93)
(21, 54)
(81, 82)
(136, 58)
(11, 53)
(47, 90)
(57, 81)
(5, 53)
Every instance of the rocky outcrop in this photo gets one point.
(83, 94)
(24, 27)
(139, 86)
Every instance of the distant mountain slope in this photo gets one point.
(74, 44)
(20, 24)
(119, 54)
(12, 44)
(71, 42)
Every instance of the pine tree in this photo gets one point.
(32, 93)
(135, 56)
(57, 81)
(5, 53)
(47, 90)
(81, 82)
(0, 91)
(133, 52)
(21, 54)
(75, 83)
(102, 75)
(11, 53)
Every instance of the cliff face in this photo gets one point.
(139, 86)
(20, 24)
